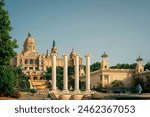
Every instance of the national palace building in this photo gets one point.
(34, 66)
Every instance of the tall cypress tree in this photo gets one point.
(8, 78)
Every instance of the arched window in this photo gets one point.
(105, 67)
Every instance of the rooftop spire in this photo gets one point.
(47, 53)
(54, 44)
(104, 55)
(29, 34)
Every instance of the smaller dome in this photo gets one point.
(139, 59)
(72, 54)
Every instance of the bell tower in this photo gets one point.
(104, 63)
(139, 66)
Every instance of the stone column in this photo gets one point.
(87, 73)
(77, 74)
(53, 72)
(65, 74)
(22, 61)
(102, 80)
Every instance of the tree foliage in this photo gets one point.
(59, 76)
(124, 66)
(8, 81)
(117, 84)
(7, 45)
(48, 74)
(147, 66)
(23, 81)
(59, 82)
(95, 66)
(59, 72)
(8, 77)
(71, 76)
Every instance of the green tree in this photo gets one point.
(23, 84)
(59, 75)
(117, 84)
(124, 66)
(95, 66)
(147, 66)
(7, 45)
(8, 78)
(139, 80)
(48, 74)
(147, 84)
(8, 81)
(71, 76)
(59, 82)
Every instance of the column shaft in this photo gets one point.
(65, 74)
(53, 72)
(87, 72)
(102, 80)
(77, 73)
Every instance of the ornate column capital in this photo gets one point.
(65, 55)
(87, 55)
(53, 54)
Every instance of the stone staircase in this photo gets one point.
(39, 84)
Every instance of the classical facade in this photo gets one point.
(34, 65)
(105, 75)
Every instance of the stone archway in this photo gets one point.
(42, 78)
(34, 78)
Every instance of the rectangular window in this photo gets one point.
(30, 67)
(20, 61)
(26, 61)
(31, 61)
(36, 62)
(106, 77)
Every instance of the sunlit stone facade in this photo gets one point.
(34, 65)
(105, 75)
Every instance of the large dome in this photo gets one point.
(29, 39)
(29, 44)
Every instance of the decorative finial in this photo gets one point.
(139, 59)
(104, 55)
(29, 34)
(54, 44)
(46, 53)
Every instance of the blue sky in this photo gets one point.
(121, 28)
